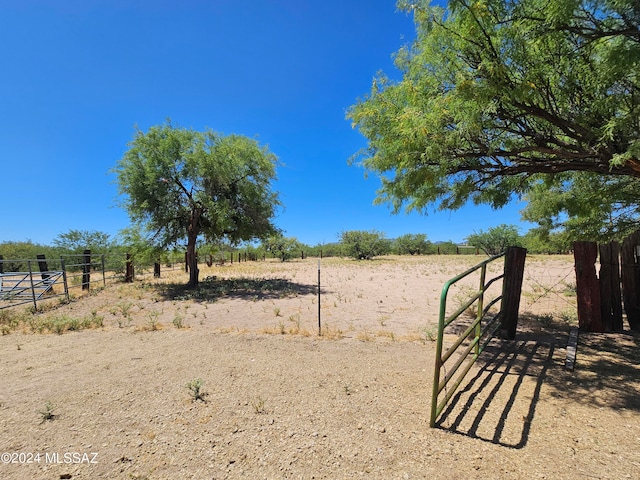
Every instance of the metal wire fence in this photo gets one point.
(31, 281)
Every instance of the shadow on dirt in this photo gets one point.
(498, 404)
(606, 374)
(211, 289)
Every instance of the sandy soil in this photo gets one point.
(279, 401)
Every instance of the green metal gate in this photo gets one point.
(449, 370)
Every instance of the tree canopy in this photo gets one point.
(498, 96)
(412, 244)
(78, 240)
(364, 245)
(584, 206)
(283, 247)
(496, 239)
(182, 184)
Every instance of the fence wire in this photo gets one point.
(549, 290)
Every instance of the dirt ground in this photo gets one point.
(276, 400)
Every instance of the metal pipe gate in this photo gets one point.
(473, 340)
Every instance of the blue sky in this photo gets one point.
(79, 75)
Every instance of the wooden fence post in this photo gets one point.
(631, 279)
(588, 287)
(128, 276)
(86, 269)
(511, 289)
(42, 264)
(610, 293)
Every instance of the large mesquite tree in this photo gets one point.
(183, 184)
(499, 96)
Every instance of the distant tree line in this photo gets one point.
(357, 244)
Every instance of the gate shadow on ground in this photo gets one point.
(212, 289)
(498, 404)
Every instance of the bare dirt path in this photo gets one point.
(280, 402)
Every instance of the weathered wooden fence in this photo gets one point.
(605, 300)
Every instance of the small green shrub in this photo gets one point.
(47, 413)
(58, 325)
(570, 290)
(124, 308)
(178, 321)
(545, 319)
(462, 298)
(9, 321)
(195, 390)
(73, 324)
(97, 320)
(153, 320)
(259, 404)
(429, 334)
(569, 318)
(295, 318)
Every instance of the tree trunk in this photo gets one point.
(192, 236)
(192, 260)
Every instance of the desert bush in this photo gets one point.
(411, 244)
(444, 248)
(364, 245)
(259, 404)
(540, 242)
(10, 320)
(178, 321)
(496, 240)
(15, 253)
(195, 390)
(152, 321)
(47, 413)
(333, 249)
(429, 333)
(283, 248)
